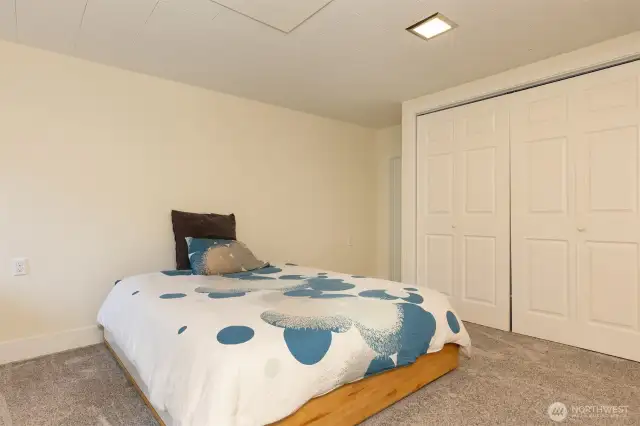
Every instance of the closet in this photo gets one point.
(527, 210)
(463, 205)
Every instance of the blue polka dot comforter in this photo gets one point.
(251, 348)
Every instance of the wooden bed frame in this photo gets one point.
(352, 403)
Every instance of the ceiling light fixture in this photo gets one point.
(432, 26)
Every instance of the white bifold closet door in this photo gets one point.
(575, 213)
(463, 209)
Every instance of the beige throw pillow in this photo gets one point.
(218, 257)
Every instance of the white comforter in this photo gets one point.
(251, 348)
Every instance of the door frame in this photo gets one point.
(594, 58)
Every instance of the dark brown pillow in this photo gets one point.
(197, 225)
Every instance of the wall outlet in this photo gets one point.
(20, 266)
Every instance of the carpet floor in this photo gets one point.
(509, 380)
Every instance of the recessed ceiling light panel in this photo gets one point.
(432, 26)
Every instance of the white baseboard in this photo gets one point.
(33, 347)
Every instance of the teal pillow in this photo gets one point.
(218, 257)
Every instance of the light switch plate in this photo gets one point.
(20, 266)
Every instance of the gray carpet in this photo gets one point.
(510, 379)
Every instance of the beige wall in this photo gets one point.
(92, 160)
(388, 144)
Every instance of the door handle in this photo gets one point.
(581, 229)
(453, 226)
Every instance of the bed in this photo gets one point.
(284, 345)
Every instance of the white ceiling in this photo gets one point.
(351, 59)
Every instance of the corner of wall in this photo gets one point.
(388, 144)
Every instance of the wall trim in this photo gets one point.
(33, 347)
(572, 62)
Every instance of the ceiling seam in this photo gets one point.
(15, 16)
(75, 36)
(250, 17)
(218, 13)
(268, 25)
(312, 15)
(155, 6)
(139, 33)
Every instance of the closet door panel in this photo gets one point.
(482, 215)
(435, 153)
(542, 210)
(607, 114)
(463, 209)
(575, 212)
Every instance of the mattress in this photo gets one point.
(131, 369)
(251, 348)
